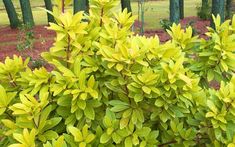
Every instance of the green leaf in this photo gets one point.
(64, 101)
(91, 82)
(116, 138)
(146, 89)
(81, 104)
(128, 142)
(104, 138)
(143, 132)
(50, 135)
(117, 102)
(159, 103)
(90, 138)
(44, 115)
(82, 80)
(76, 133)
(51, 123)
(3, 98)
(89, 112)
(119, 108)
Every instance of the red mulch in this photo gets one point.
(9, 40)
(44, 38)
(198, 24)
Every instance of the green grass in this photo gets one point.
(154, 11)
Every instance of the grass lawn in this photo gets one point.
(154, 11)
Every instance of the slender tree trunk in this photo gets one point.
(126, 4)
(204, 12)
(228, 8)
(27, 12)
(174, 11)
(204, 5)
(11, 12)
(181, 3)
(217, 9)
(48, 5)
(80, 5)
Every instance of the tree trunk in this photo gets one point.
(80, 5)
(181, 3)
(126, 4)
(11, 12)
(204, 5)
(228, 8)
(217, 9)
(174, 11)
(27, 12)
(48, 5)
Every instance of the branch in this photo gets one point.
(12, 80)
(167, 143)
(68, 52)
(101, 15)
(62, 9)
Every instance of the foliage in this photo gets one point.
(37, 63)
(25, 38)
(165, 24)
(111, 88)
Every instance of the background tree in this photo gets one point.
(228, 8)
(174, 11)
(217, 9)
(48, 5)
(11, 12)
(126, 4)
(80, 5)
(27, 12)
(181, 6)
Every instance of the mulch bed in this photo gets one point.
(44, 38)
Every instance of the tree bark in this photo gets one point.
(126, 4)
(228, 8)
(27, 12)
(174, 11)
(80, 5)
(217, 9)
(12, 15)
(204, 5)
(181, 3)
(48, 5)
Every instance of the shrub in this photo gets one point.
(165, 24)
(110, 88)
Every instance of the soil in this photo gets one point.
(44, 38)
(199, 25)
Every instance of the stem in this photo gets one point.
(12, 80)
(62, 9)
(9, 115)
(227, 107)
(101, 15)
(68, 51)
(167, 143)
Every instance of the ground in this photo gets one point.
(154, 11)
(44, 38)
